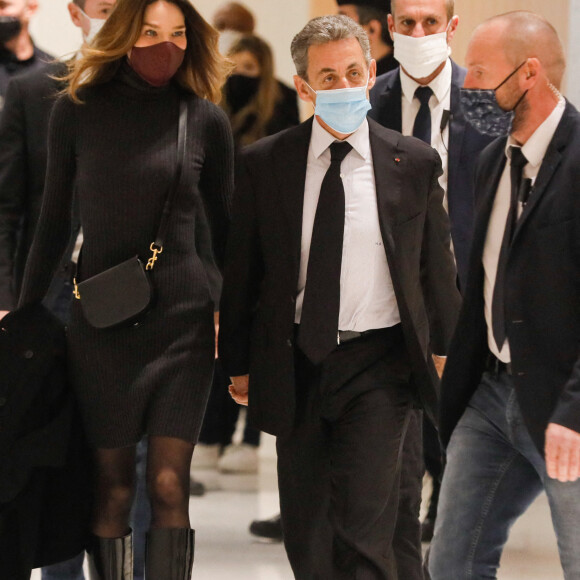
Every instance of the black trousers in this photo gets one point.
(339, 471)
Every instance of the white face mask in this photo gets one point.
(227, 39)
(420, 56)
(95, 25)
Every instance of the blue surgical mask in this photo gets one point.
(482, 110)
(343, 110)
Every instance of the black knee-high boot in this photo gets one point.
(111, 558)
(169, 554)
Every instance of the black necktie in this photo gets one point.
(317, 336)
(422, 126)
(518, 161)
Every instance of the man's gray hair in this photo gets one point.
(323, 30)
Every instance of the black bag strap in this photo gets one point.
(157, 245)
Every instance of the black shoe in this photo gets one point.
(427, 529)
(269, 530)
(196, 488)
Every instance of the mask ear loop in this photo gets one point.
(511, 75)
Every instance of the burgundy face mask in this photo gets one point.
(156, 64)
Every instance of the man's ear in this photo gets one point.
(372, 74)
(374, 30)
(30, 10)
(453, 23)
(531, 72)
(75, 14)
(302, 89)
(391, 22)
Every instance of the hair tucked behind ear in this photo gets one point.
(203, 70)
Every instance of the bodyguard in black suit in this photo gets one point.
(24, 138)
(17, 51)
(510, 412)
(418, 28)
(334, 363)
(456, 140)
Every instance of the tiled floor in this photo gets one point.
(225, 550)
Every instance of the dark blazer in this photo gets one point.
(465, 144)
(45, 462)
(24, 138)
(11, 67)
(263, 259)
(542, 293)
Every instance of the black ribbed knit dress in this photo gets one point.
(118, 150)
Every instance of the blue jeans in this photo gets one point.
(140, 520)
(493, 473)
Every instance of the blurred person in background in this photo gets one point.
(124, 96)
(372, 15)
(256, 102)
(17, 50)
(232, 20)
(257, 105)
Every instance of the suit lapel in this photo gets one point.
(290, 157)
(390, 105)
(549, 165)
(388, 170)
(456, 125)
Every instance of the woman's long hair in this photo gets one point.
(250, 123)
(203, 70)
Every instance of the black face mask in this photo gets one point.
(240, 90)
(10, 28)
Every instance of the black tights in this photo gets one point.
(168, 461)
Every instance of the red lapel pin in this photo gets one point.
(397, 160)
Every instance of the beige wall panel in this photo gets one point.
(473, 12)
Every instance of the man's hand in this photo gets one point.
(239, 389)
(562, 453)
(3, 313)
(439, 362)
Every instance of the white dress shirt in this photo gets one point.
(534, 151)
(440, 101)
(367, 298)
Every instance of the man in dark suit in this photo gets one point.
(339, 285)
(510, 411)
(23, 134)
(419, 27)
(372, 15)
(17, 51)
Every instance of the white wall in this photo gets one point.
(277, 22)
(573, 90)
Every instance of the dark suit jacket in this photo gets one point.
(263, 260)
(24, 139)
(11, 67)
(465, 144)
(542, 293)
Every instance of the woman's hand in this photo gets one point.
(239, 389)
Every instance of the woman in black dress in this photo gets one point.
(113, 140)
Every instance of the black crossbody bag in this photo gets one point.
(124, 294)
